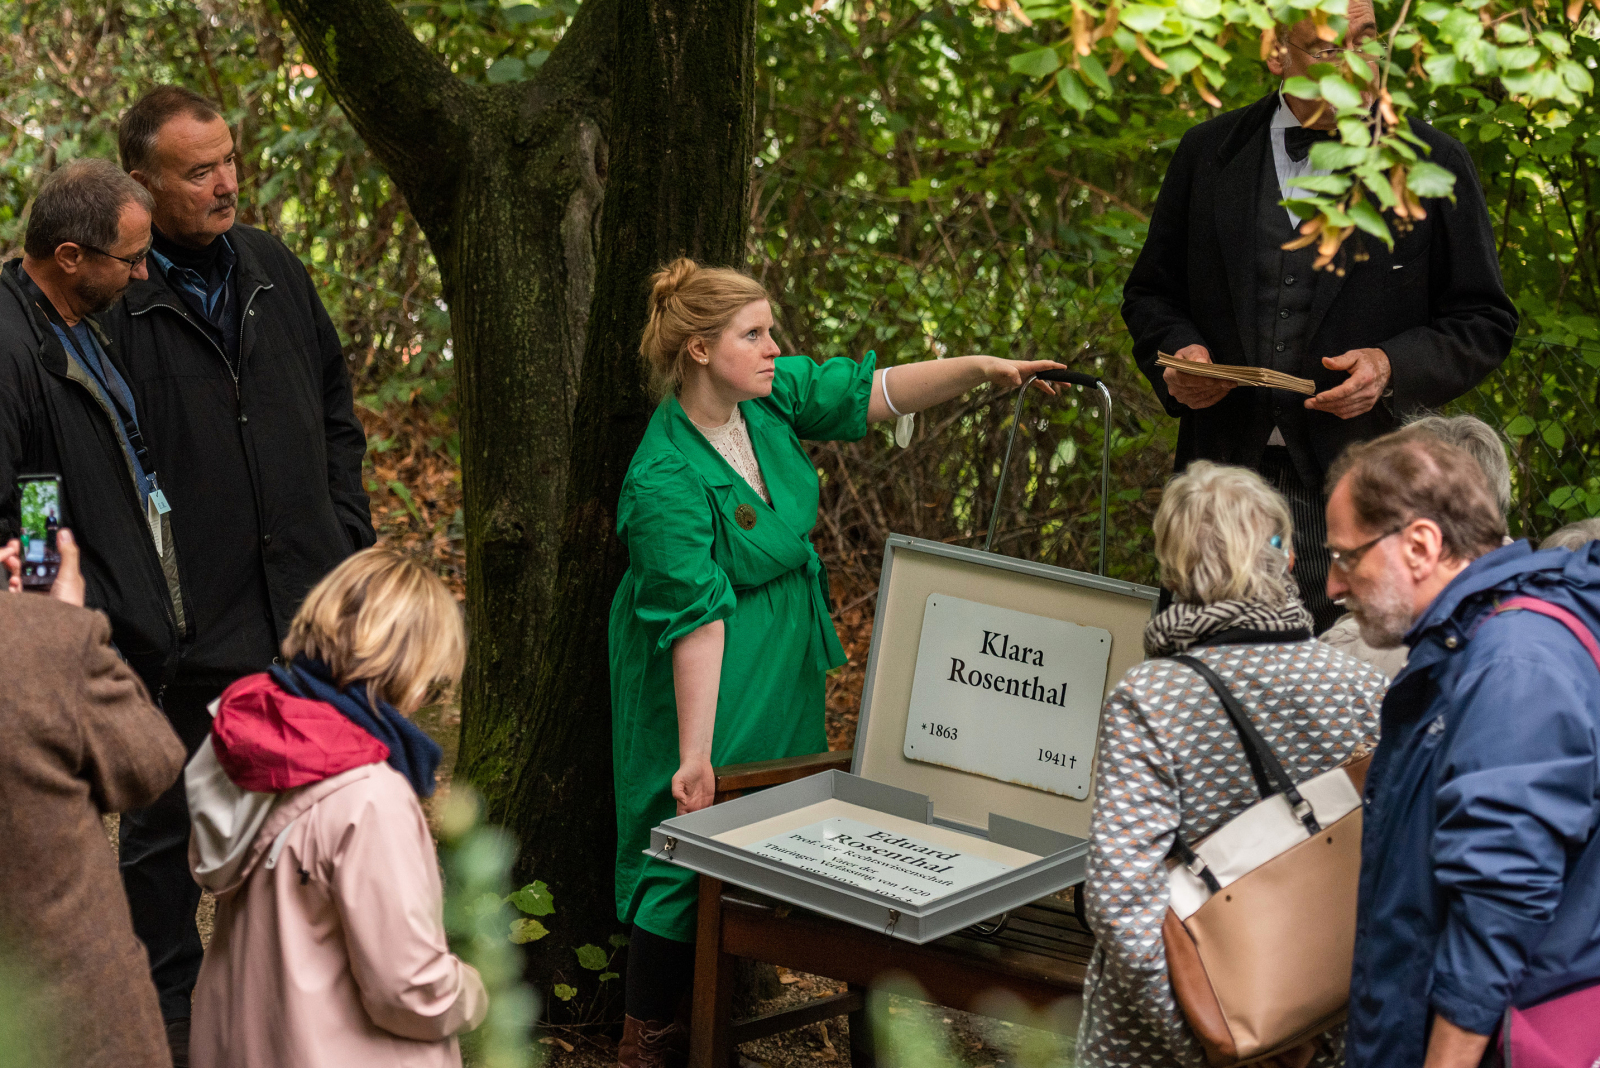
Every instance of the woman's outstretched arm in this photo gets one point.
(915, 386)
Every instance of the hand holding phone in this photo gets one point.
(41, 520)
(11, 565)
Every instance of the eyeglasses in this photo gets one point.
(1326, 55)
(1347, 560)
(132, 262)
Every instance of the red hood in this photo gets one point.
(268, 741)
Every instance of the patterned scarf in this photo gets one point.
(1184, 625)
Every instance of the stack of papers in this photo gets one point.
(1248, 376)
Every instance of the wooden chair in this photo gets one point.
(1039, 953)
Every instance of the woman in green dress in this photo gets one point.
(720, 635)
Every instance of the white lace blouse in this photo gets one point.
(732, 442)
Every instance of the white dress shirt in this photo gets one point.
(1286, 167)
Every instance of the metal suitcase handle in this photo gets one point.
(1076, 378)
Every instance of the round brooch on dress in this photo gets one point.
(745, 516)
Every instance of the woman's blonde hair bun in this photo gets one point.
(687, 301)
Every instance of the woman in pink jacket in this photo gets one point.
(329, 945)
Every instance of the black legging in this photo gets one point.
(660, 974)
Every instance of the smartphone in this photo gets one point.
(41, 518)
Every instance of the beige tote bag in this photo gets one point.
(1260, 930)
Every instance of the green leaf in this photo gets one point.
(1332, 184)
(1332, 156)
(1340, 93)
(1036, 64)
(1510, 33)
(606, 977)
(1201, 9)
(1366, 218)
(1142, 18)
(1181, 61)
(1304, 88)
(618, 940)
(399, 489)
(1444, 69)
(592, 957)
(1521, 427)
(1554, 43)
(1563, 497)
(564, 992)
(1490, 131)
(1354, 131)
(1554, 436)
(1430, 180)
(535, 899)
(1090, 66)
(526, 930)
(1073, 92)
(1518, 58)
(1577, 78)
(506, 69)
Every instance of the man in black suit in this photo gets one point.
(1382, 335)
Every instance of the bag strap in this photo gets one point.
(1269, 774)
(1559, 614)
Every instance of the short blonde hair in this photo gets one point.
(689, 301)
(1214, 534)
(386, 620)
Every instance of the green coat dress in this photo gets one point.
(691, 561)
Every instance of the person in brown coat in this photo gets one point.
(78, 738)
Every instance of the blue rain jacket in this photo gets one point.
(1480, 861)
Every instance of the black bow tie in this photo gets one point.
(1297, 141)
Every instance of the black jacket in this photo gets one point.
(55, 419)
(1435, 305)
(263, 474)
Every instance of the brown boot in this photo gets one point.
(652, 1044)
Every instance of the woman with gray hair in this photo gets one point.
(1170, 760)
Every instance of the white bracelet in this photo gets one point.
(884, 383)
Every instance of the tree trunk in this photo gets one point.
(682, 125)
(546, 307)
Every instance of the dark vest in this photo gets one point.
(1285, 291)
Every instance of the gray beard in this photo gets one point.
(1384, 618)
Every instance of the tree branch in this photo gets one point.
(409, 109)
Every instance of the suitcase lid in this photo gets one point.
(950, 587)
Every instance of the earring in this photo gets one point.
(703, 361)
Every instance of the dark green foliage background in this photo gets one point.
(911, 196)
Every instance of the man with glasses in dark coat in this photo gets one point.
(1381, 336)
(238, 371)
(66, 409)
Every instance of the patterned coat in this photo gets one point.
(1169, 757)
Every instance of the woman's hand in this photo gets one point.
(694, 786)
(1012, 373)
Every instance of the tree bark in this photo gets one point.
(546, 307)
(682, 126)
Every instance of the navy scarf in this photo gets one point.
(411, 752)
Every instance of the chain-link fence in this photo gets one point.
(852, 272)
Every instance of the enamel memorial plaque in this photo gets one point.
(1008, 695)
(885, 862)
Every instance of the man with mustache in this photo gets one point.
(238, 371)
(66, 409)
(1480, 861)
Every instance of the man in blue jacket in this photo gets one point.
(1480, 865)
